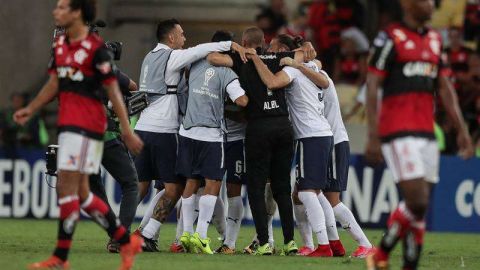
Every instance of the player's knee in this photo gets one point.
(333, 198)
(234, 191)
(281, 189)
(418, 207)
(129, 186)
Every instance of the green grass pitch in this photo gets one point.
(27, 241)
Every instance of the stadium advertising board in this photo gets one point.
(371, 195)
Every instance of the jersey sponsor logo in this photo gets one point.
(420, 69)
(80, 56)
(409, 45)
(268, 56)
(209, 73)
(270, 105)
(399, 35)
(86, 44)
(71, 73)
(205, 91)
(435, 46)
(60, 51)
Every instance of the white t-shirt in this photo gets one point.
(234, 91)
(333, 113)
(162, 115)
(305, 105)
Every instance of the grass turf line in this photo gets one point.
(26, 241)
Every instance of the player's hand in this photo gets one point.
(22, 116)
(308, 51)
(133, 142)
(465, 145)
(288, 61)
(241, 51)
(373, 153)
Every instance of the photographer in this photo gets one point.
(116, 158)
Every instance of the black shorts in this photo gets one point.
(158, 158)
(159, 185)
(338, 168)
(200, 159)
(312, 155)
(235, 162)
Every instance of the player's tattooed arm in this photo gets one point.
(163, 208)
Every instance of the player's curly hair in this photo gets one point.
(88, 8)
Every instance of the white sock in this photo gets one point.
(179, 224)
(329, 218)
(303, 225)
(315, 215)
(151, 229)
(149, 211)
(271, 206)
(188, 212)
(234, 220)
(348, 222)
(255, 238)
(218, 218)
(271, 241)
(270, 203)
(206, 206)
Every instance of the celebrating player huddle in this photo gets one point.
(215, 138)
(240, 113)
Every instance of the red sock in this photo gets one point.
(69, 214)
(399, 223)
(104, 216)
(412, 245)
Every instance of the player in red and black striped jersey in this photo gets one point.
(79, 68)
(407, 62)
(82, 67)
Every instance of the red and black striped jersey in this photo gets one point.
(410, 62)
(82, 69)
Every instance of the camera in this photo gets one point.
(116, 48)
(51, 159)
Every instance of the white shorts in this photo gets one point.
(411, 158)
(79, 153)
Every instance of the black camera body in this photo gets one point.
(116, 48)
(51, 159)
(136, 102)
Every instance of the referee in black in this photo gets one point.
(268, 139)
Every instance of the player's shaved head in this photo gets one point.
(420, 10)
(253, 37)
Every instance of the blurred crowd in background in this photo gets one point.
(338, 31)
